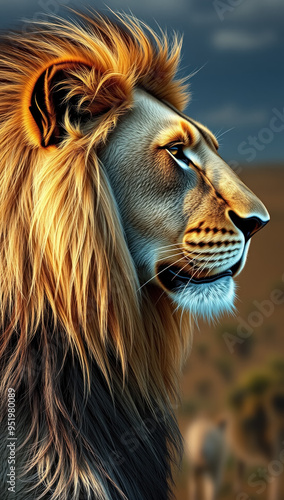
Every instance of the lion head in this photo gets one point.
(116, 215)
(188, 219)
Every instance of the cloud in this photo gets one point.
(231, 115)
(239, 40)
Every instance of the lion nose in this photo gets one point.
(248, 225)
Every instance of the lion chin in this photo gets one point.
(208, 300)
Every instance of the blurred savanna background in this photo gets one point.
(235, 373)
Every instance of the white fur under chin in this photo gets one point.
(208, 300)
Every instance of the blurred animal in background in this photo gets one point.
(206, 451)
(255, 428)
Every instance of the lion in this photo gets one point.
(118, 222)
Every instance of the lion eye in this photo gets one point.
(176, 150)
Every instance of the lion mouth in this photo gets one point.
(172, 278)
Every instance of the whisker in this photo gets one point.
(207, 264)
(189, 262)
(157, 274)
(202, 267)
(168, 246)
(170, 250)
(219, 134)
(212, 266)
(174, 255)
(161, 295)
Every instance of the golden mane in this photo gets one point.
(67, 278)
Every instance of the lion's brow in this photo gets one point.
(176, 134)
(209, 137)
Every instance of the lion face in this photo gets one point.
(187, 217)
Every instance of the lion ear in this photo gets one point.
(49, 101)
(76, 87)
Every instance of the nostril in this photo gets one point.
(248, 225)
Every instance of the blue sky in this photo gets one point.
(238, 48)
